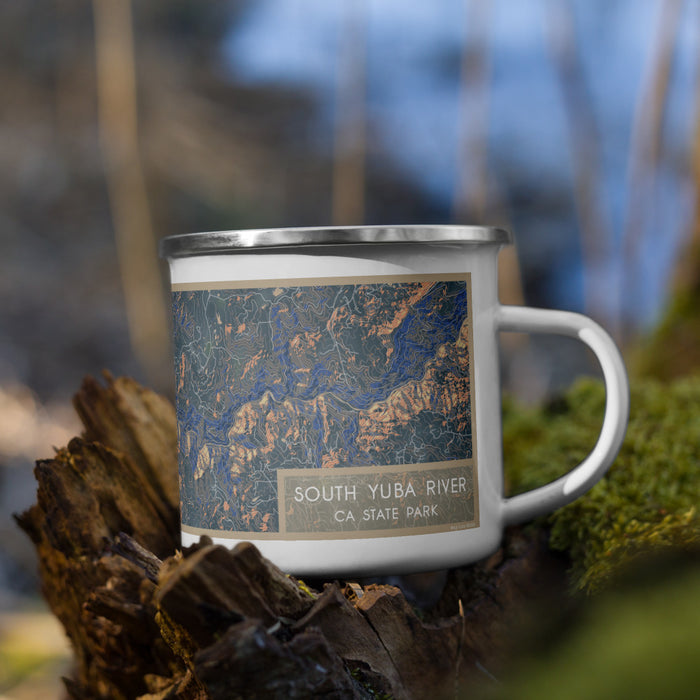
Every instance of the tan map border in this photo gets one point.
(355, 534)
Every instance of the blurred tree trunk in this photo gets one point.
(350, 119)
(646, 146)
(136, 244)
(673, 348)
(476, 200)
(472, 197)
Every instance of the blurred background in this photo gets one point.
(576, 123)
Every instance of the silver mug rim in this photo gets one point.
(220, 242)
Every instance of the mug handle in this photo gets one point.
(567, 488)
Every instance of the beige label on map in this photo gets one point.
(390, 501)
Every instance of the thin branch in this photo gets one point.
(686, 278)
(647, 139)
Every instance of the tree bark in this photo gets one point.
(147, 620)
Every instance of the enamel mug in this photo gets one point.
(338, 396)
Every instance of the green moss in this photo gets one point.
(304, 588)
(672, 349)
(640, 641)
(358, 677)
(648, 499)
(23, 660)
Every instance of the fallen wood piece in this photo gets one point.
(212, 588)
(249, 662)
(149, 621)
(130, 549)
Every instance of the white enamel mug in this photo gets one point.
(338, 395)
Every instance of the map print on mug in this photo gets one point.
(326, 407)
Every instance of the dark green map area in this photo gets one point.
(308, 377)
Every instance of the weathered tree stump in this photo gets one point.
(147, 620)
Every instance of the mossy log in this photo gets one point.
(149, 620)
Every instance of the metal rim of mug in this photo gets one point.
(217, 242)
